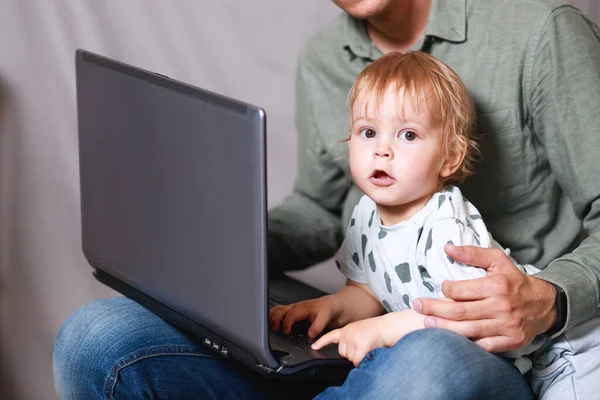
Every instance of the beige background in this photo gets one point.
(243, 49)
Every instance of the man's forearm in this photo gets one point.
(300, 234)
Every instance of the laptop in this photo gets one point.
(174, 213)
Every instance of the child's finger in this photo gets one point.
(298, 313)
(317, 326)
(343, 349)
(330, 337)
(359, 355)
(273, 310)
(350, 351)
(276, 314)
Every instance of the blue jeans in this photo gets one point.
(116, 349)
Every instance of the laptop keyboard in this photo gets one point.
(296, 336)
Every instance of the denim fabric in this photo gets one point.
(432, 364)
(116, 349)
(567, 367)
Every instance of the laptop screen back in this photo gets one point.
(173, 196)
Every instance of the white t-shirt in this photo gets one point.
(407, 260)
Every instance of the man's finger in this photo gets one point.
(475, 256)
(457, 310)
(469, 289)
(329, 337)
(474, 330)
(497, 344)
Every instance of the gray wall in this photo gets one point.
(591, 7)
(244, 49)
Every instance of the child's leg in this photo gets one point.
(569, 367)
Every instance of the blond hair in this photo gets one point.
(426, 80)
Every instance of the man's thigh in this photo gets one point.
(116, 349)
(432, 364)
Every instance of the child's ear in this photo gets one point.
(453, 161)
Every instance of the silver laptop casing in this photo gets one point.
(173, 205)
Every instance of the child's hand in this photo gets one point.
(319, 311)
(355, 339)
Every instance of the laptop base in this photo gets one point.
(332, 370)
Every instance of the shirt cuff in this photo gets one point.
(578, 285)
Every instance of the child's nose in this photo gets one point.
(383, 150)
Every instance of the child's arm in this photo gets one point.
(353, 302)
(359, 302)
(358, 338)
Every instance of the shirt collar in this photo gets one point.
(447, 21)
(358, 41)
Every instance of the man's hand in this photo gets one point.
(500, 312)
(355, 339)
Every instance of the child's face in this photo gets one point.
(395, 154)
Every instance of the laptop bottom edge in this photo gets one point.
(334, 370)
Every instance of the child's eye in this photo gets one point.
(409, 136)
(367, 133)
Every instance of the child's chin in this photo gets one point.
(385, 201)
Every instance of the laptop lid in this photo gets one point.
(173, 185)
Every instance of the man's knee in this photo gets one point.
(81, 349)
(420, 358)
(432, 356)
(450, 366)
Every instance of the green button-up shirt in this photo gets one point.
(532, 68)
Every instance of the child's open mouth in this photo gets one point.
(381, 178)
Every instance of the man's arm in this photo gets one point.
(506, 309)
(306, 228)
(564, 99)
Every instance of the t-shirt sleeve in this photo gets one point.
(457, 232)
(347, 258)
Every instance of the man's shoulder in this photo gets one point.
(495, 23)
(541, 8)
(546, 5)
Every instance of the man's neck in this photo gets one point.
(400, 26)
